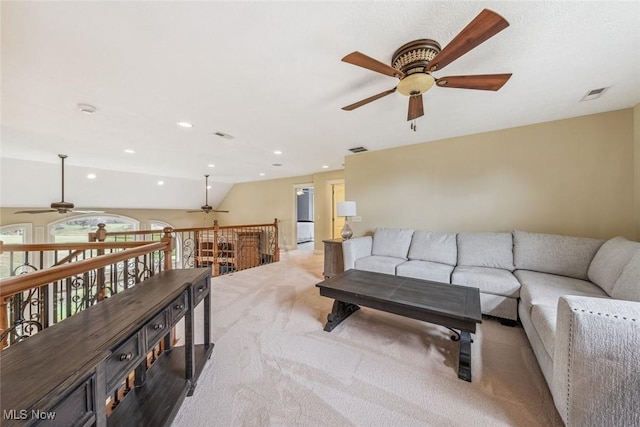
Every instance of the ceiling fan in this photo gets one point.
(206, 208)
(414, 62)
(61, 206)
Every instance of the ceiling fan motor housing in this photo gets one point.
(412, 59)
(62, 205)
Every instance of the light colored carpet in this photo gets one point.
(273, 365)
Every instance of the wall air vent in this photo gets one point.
(594, 93)
(357, 149)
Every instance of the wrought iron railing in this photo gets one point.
(48, 286)
(225, 248)
(50, 282)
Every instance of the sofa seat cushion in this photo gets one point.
(391, 242)
(555, 254)
(545, 289)
(627, 286)
(493, 250)
(378, 264)
(609, 261)
(434, 246)
(488, 280)
(543, 318)
(425, 270)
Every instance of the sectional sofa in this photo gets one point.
(578, 300)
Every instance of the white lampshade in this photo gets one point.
(347, 209)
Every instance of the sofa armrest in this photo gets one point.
(354, 249)
(596, 368)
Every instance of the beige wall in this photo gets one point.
(262, 201)
(573, 176)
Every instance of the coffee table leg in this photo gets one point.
(464, 362)
(339, 312)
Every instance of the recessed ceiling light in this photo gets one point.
(91, 176)
(185, 125)
(160, 182)
(208, 187)
(86, 108)
(325, 167)
(261, 173)
(277, 152)
(129, 151)
(211, 165)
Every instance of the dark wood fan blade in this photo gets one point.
(486, 25)
(364, 61)
(198, 211)
(220, 211)
(37, 211)
(416, 108)
(368, 100)
(480, 81)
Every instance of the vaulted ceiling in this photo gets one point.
(269, 74)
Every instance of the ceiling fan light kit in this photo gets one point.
(414, 62)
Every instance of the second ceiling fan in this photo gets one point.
(206, 208)
(414, 62)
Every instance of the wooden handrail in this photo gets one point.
(36, 247)
(181, 230)
(16, 284)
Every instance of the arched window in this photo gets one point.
(13, 234)
(176, 255)
(77, 228)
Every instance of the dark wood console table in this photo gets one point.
(64, 374)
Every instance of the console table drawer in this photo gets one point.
(156, 328)
(122, 360)
(200, 290)
(77, 408)
(179, 308)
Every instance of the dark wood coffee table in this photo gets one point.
(454, 307)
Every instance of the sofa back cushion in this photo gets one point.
(627, 286)
(554, 254)
(434, 246)
(493, 250)
(393, 242)
(609, 261)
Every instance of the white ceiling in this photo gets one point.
(269, 73)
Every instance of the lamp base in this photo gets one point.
(346, 232)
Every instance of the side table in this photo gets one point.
(333, 259)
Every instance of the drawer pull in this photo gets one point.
(178, 306)
(158, 326)
(125, 356)
(201, 289)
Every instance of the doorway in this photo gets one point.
(304, 216)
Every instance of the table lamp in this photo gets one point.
(346, 209)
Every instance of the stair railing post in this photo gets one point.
(276, 255)
(168, 250)
(100, 235)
